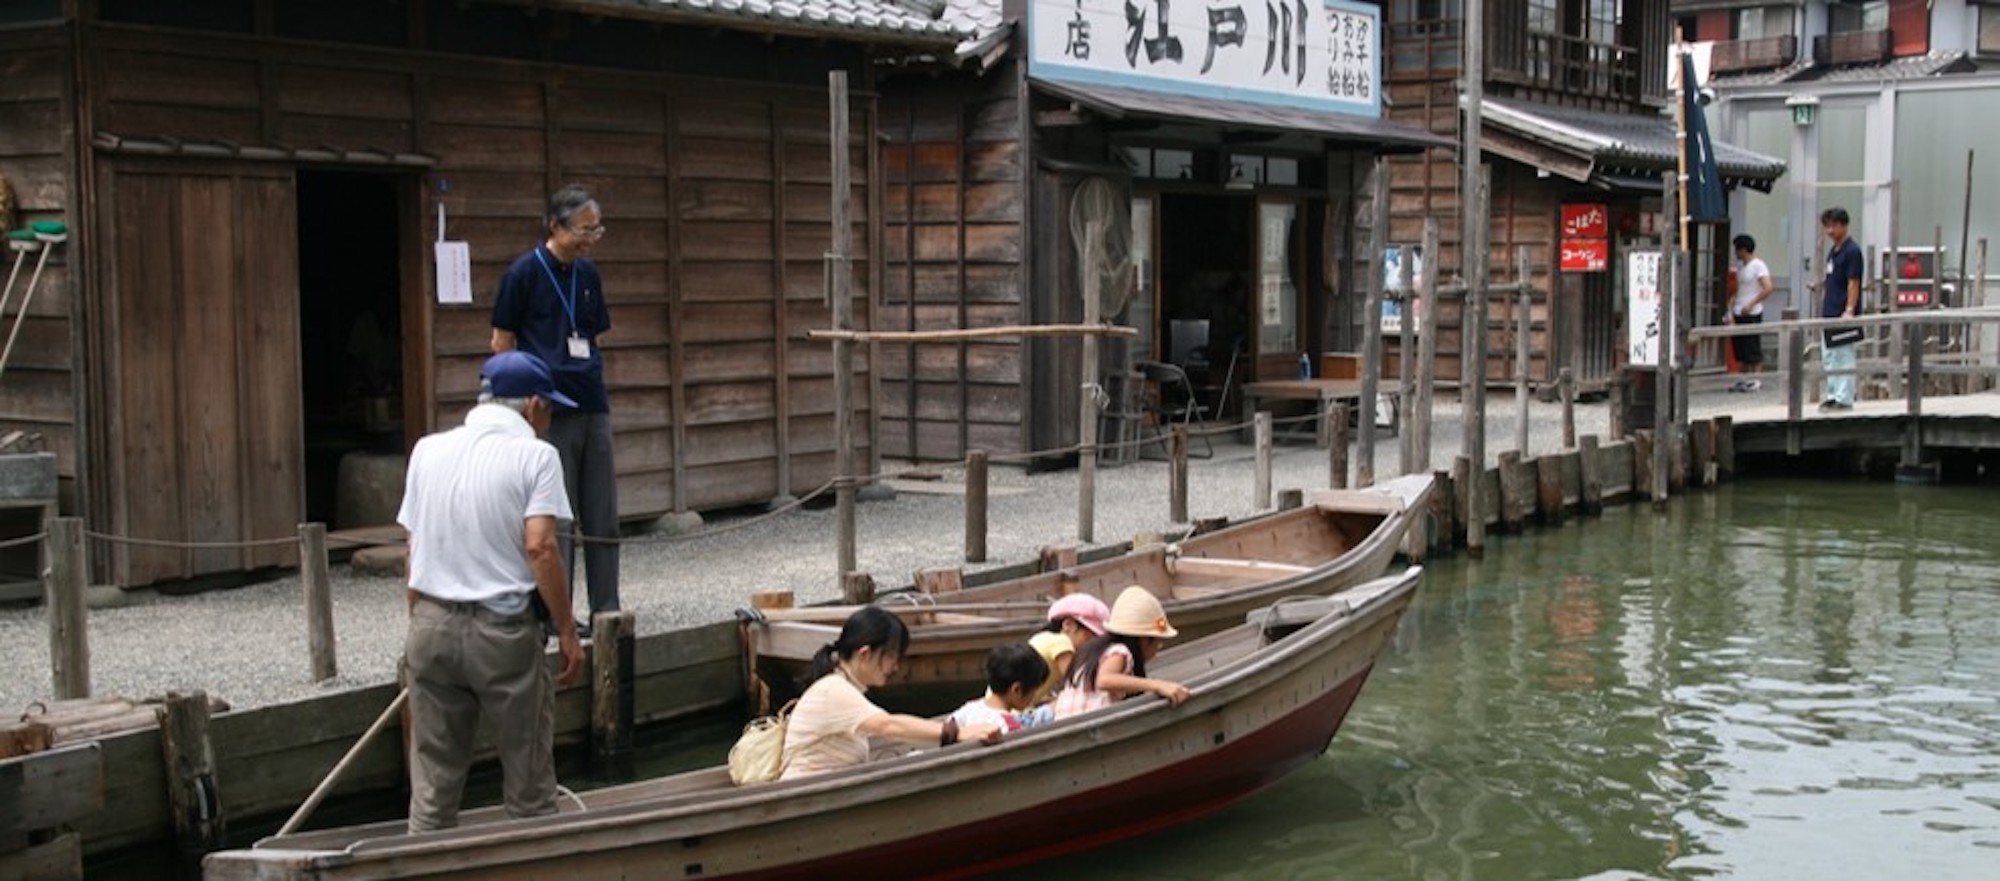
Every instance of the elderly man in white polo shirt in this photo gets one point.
(481, 504)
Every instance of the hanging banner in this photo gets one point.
(1314, 54)
(1642, 309)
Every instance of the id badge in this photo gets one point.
(579, 348)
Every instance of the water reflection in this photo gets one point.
(1777, 680)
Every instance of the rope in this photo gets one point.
(192, 545)
(23, 540)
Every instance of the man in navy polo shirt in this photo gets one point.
(551, 305)
(1841, 298)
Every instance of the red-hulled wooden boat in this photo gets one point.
(1268, 696)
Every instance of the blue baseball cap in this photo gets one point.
(517, 374)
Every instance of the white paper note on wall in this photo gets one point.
(454, 272)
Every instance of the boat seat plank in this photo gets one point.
(1229, 568)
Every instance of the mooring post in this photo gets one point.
(1371, 326)
(1474, 328)
(1444, 517)
(839, 288)
(1549, 487)
(1524, 308)
(1590, 477)
(69, 637)
(1291, 498)
(1643, 463)
(611, 698)
(1566, 386)
(1794, 342)
(1406, 357)
(1725, 447)
(1336, 446)
(1260, 490)
(1177, 474)
(318, 590)
(857, 588)
(1419, 425)
(1913, 400)
(1516, 495)
(1701, 450)
(192, 793)
(975, 506)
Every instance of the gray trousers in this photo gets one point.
(465, 662)
(583, 440)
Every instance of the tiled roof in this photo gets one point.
(1619, 140)
(982, 19)
(900, 21)
(1915, 67)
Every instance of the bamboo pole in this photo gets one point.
(326, 785)
(1420, 424)
(838, 285)
(953, 335)
(318, 590)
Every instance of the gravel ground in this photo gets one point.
(247, 645)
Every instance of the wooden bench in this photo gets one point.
(1323, 393)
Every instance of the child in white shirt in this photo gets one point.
(1014, 674)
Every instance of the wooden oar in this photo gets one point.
(339, 768)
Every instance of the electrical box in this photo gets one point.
(1912, 273)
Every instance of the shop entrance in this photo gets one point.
(1206, 276)
(351, 345)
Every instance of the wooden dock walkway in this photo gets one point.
(1962, 422)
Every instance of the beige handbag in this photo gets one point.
(759, 755)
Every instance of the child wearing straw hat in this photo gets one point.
(1112, 667)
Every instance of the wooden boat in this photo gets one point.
(1268, 696)
(1339, 539)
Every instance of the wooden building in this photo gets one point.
(1233, 156)
(1577, 124)
(254, 187)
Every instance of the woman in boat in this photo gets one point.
(1112, 667)
(1074, 621)
(830, 726)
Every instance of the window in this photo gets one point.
(1872, 15)
(1989, 30)
(1760, 22)
(1542, 17)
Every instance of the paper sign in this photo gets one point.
(454, 273)
(1642, 313)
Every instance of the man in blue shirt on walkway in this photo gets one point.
(1841, 298)
(551, 305)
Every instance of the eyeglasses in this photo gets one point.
(588, 232)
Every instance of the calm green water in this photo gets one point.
(1776, 680)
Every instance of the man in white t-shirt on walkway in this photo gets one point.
(481, 503)
(1753, 287)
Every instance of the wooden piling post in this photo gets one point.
(1620, 403)
(857, 588)
(612, 641)
(1419, 425)
(1643, 463)
(1725, 448)
(1701, 447)
(1462, 479)
(1566, 386)
(1260, 491)
(1590, 473)
(975, 506)
(193, 795)
(1794, 343)
(839, 287)
(1055, 558)
(318, 590)
(69, 636)
(1524, 309)
(1291, 498)
(938, 580)
(1336, 447)
(1549, 488)
(1473, 377)
(1177, 474)
(1516, 493)
(1406, 339)
(1444, 516)
(1371, 328)
(1913, 400)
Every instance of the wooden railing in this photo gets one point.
(1424, 47)
(1853, 47)
(1758, 54)
(1571, 65)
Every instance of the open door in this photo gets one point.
(200, 380)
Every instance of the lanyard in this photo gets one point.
(568, 300)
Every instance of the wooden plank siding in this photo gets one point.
(716, 194)
(37, 134)
(952, 225)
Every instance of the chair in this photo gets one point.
(1163, 411)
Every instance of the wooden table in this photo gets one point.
(1324, 393)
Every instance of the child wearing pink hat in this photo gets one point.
(1112, 666)
(1073, 620)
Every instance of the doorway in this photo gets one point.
(351, 345)
(1205, 280)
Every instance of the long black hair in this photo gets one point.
(1083, 668)
(869, 627)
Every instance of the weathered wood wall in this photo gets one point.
(716, 191)
(37, 155)
(953, 217)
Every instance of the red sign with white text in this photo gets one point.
(1585, 255)
(1586, 221)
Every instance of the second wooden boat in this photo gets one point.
(1339, 539)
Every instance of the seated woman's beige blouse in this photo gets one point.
(825, 729)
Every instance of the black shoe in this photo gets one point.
(549, 630)
(582, 630)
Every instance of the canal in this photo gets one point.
(1775, 680)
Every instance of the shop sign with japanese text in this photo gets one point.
(1586, 221)
(1585, 255)
(1315, 54)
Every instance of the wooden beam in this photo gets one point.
(49, 789)
(971, 333)
(1065, 118)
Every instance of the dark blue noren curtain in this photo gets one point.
(1705, 199)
